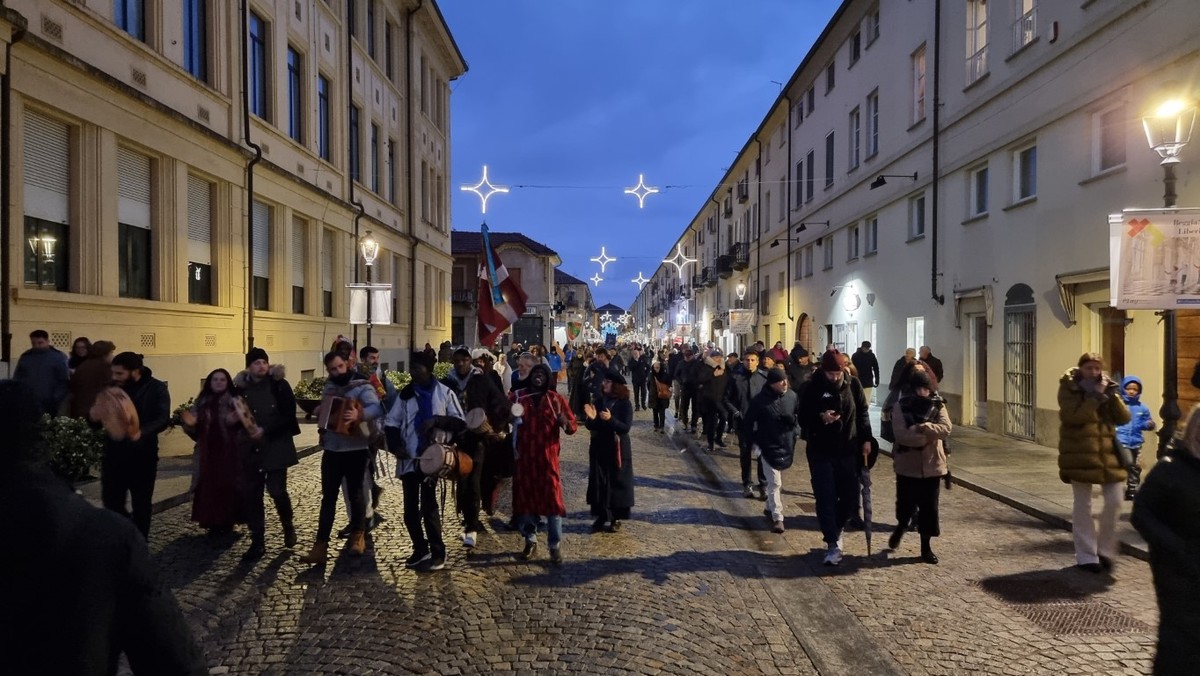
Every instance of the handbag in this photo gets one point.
(1124, 455)
(886, 431)
(663, 389)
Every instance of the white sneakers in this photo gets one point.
(469, 539)
(833, 555)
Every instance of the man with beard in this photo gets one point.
(745, 382)
(833, 412)
(130, 466)
(492, 456)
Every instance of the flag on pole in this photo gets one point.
(501, 301)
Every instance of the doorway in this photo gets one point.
(1019, 358)
(978, 370)
(804, 331)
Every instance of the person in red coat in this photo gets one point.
(537, 482)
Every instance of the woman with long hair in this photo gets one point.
(214, 423)
(610, 454)
(79, 352)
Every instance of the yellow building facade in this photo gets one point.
(188, 178)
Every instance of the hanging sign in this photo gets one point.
(1154, 259)
(380, 303)
(741, 321)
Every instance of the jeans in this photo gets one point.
(835, 486)
(918, 495)
(774, 491)
(470, 488)
(1090, 545)
(421, 516)
(527, 524)
(337, 466)
(1134, 480)
(121, 475)
(275, 483)
(745, 443)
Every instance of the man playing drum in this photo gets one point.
(421, 407)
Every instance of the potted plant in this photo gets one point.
(442, 369)
(308, 395)
(72, 445)
(399, 378)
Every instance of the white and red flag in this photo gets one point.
(501, 300)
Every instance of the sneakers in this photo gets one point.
(529, 551)
(721, 442)
(469, 539)
(833, 556)
(345, 532)
(894, 538)
(417, 559)
(762, 492)
(747, 491)
(431, 564)
(556, 556)
(778, 527)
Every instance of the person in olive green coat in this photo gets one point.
(1089, 409)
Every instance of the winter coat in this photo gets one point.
(639, 368)
(710, 387)
(404, 439)
(610, 481)
(673, 362)
(89, 380)
(1088, 428)
(152, 402)
(798, 374)
(360, 389)
(845, 397)
(659, 376)
(1131, 433)
(914, 454)
(45, 372)
(1166, 512)
(867, 365)
(934, 365)
(742, 388)
(273, 404)
(771, 423)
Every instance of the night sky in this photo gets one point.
(575, 98)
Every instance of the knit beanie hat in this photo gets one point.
(830, 361)
(775, 376)
(255, 354)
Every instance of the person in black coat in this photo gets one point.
(1166, 511)
(639, 370)
(82, 589)
(610, 454)
(834, 414)
(771, 422)
(909, 356)
(710, 382)
(932, 362)
(867, 365)
(745, 382)
(659, 374)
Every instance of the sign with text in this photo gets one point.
(741, 321)
(1154, 259)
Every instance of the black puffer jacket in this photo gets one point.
(771, 423)
(844, 397)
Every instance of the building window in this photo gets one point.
(852, 243)
(261, 256)
(258, 67)
(1025, 173)
(797, 113)
(782, 200)
(1024, 29)
(855, 47)
(391, 163)
(47, 164)
(425, 191)
(797, 261)
(133, 224)
(130, 16)
(827, 253)
(355, 159)
(195, 38)
(767, 211)
(872, 25)
(829, 160)
(808, 261)
(299, 264)
(295, 95)
(977, 187)
(375, 173)
(977, 39)
(1109, 141)
(371, 28)
(916, 216)
(812, 101)
(323, 118)
(872, 124)
(830, 74)
(199, 241)
(855, 138)
(871, 236)
(389, 57)
(918, 84)
(810, 181)
(352, 17)
(327, 254)
(798, 184)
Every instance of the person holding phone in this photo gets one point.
(610, 454)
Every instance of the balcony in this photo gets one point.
(710, 276)
(462, 296)
(1024, 30)
(977, 65)
(728, 212)
(697, 281)
(740, 253)
(724, 266)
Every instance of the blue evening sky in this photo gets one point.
(581, 96)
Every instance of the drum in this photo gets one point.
(518, 410)
(114, 410)
(445, 462)
(477, 422)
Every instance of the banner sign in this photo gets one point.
(741, 321)
(380, 303)
(1154, 259)
(573, 330)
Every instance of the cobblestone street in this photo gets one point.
(693, 584)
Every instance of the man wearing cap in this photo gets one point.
(833, 412)
(771, 422)
(799, 369)
(745, 382)
(266, 460)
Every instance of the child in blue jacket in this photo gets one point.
(1130, 434)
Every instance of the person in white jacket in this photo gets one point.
(421, 406)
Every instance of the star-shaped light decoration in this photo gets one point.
(596, 279)
(679, 260)
(484, 189)
(640, 191)
(640, 281)
(603, 259)
(606, 318)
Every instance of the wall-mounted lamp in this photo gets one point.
(804, 226)
(881, 180)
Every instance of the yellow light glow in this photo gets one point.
(1171, 108)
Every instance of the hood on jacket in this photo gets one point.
(275, 372)
(1136, 398)
(715, 362)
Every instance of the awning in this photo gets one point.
(984, 292)
(1069, 280)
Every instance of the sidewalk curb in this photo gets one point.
(172, 501)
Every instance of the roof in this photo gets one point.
(464, 242)
(564, 278)
(609, 307)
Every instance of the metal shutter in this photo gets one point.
(326, 260)
(261, 256)
(199, 233)
(133, 188)
(299, 250)
(47, 160)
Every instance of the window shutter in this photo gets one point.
(326, 260)
(299, 250)
(47, 159)
(199, 233)
(261, 222)
(133, 188)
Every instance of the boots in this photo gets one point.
(927, 554)
(357, 543)
(894, 538)
(318, 555)
(289, 534)
(257, 548)
(283, 505)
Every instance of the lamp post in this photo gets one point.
(369, 248)
(1168, 129)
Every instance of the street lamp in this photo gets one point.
(1168, 129)
(369, 248)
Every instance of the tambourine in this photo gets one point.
(115, 411)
